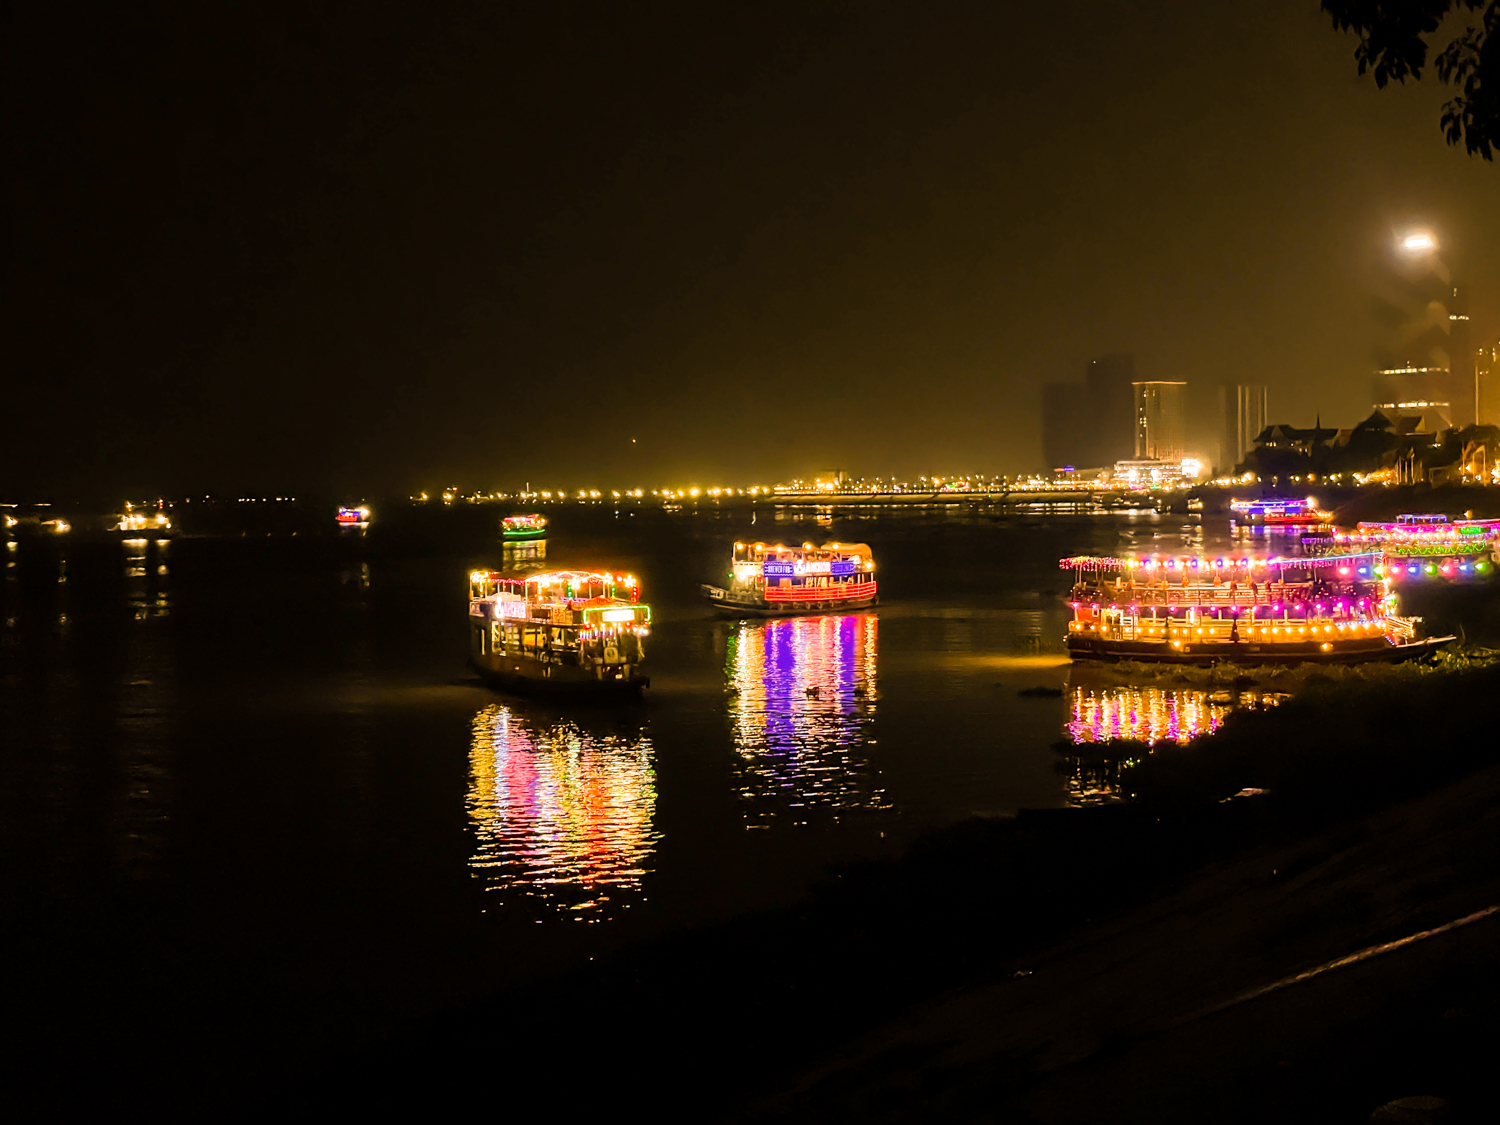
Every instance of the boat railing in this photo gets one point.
(1254, 594)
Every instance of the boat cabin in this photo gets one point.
(544, 623)
(776, 572)
(1203, 601)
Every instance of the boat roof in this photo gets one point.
(557, 578)
(830, 548)
(1271, 501)
(1207, 564)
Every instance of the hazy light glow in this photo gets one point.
(1420, 242)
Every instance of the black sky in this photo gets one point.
(383, 245)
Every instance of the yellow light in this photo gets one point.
(1419, 242)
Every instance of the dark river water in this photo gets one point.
(251, 778)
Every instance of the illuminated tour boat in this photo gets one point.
(776, 580)
(353, 517)
(1419, 548)
(142, 521)
(530, 526)
(562, 629)
(1328, 609)
(1282, 513)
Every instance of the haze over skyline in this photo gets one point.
(376, 248)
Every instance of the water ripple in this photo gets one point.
(563, 816)
(803, 700)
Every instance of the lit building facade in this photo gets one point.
(1160, 419)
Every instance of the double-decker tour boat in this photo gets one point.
(1330, 609)
(1279, 513)
(530, 526)
(566, 629)
(776, 580)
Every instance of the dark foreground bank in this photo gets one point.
(1074, 965)
(1069, 966)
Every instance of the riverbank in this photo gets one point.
(894, 994)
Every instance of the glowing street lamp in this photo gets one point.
(1419, 242)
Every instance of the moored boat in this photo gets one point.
(1331, 609)
(528, 526)
(774, 580)
(567, 629)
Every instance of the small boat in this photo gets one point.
(529, 526)
(777, 580)
(1199, 610)
(563, 630)
(1279, 513)
(353, 517)
(142, 521)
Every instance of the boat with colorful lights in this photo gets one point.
(1336, 608)
(560, 630)
(1418, 548)
(774, 580)
(528, 526)
(353, 517)
(1279, 513)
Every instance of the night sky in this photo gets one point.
(384, 246)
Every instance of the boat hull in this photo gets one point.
(528, 675)
(1372, 651)
(537, 533)
(729, 604)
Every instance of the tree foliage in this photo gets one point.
(1393, 44)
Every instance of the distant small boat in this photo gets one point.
(1279, 513)
(353, 517)
(530, 526)
(779, 581)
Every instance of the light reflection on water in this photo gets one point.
(1104, 713)
(528, 554)
(802, 705)
(563, 815)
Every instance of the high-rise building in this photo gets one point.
(1464, 390)
(1109, 380)
(1160, 417)
(1242, 413)
(1090, 424)
(1408, 391)
(1487, 384)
